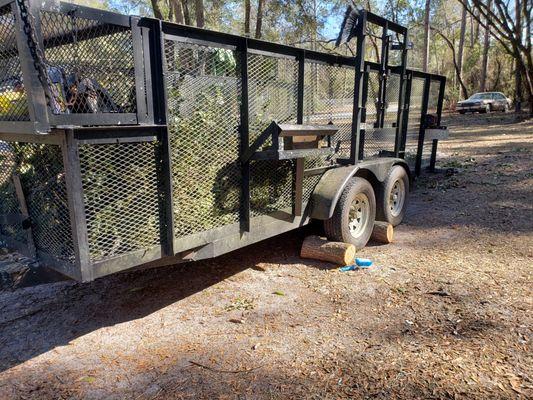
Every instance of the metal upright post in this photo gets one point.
(298, 170)
(159, 103)
(405, 115)
(141, 88)
(383, 74)
(403, 102)
(435, 142)
(358, 103)
(422, 129)
(38, 108)
(245, 139)
(76, 204)
(362, 130)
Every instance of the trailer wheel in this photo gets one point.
(392, 196)
(354, 215)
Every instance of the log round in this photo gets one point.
(321, 249)
(383, 232)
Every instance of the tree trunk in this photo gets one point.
(455, 63)
(200, 22)
(259, 22)
(318, 248)
(497, 75)
(177, 11)
(157, 10)
(471, 31)
(476, 30)
(425, 59)
(501, 25)
(461, 50)
(518, 67)
(383, 232)
(186, 13)
(485, 60)
(247, 7)
(526, 15)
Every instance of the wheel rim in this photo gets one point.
(359, 214)
(397, 198)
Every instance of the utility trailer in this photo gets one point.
(127, 141)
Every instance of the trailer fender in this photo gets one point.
(331, 185)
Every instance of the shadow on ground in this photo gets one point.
(68, 310)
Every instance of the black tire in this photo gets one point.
(393, 213)
(337, 228)
(462, 112)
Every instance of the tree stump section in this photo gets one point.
(383, 232)
(319, 248)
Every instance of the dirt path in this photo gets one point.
(445, 313)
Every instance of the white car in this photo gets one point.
(484, 103)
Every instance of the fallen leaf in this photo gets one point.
(515, 383)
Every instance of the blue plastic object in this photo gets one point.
(360, 263)
(363, 262)
(348, 268)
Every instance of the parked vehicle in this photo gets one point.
(484, 103)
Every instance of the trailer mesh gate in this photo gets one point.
(14, 106)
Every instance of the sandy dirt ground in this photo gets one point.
(445, 312)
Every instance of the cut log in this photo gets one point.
(319, 248)
(383, 232)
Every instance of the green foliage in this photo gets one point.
(204, 101)
(40, 168)
(120, 192)
(205, 146)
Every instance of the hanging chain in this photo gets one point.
(37, 55)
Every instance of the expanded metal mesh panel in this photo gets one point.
(378, 140)
(121, 196)
(328, 99)
(43, 179)
(8, 199)
(42, 176)
(272, 88)
(90, 65)
(413, 124)
(433, 100)
(371, 145)
(270, 186)
(392, 98)
(204, 86)
(13, 99)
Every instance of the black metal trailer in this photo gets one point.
(126, 140)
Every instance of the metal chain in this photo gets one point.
(28, 23)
